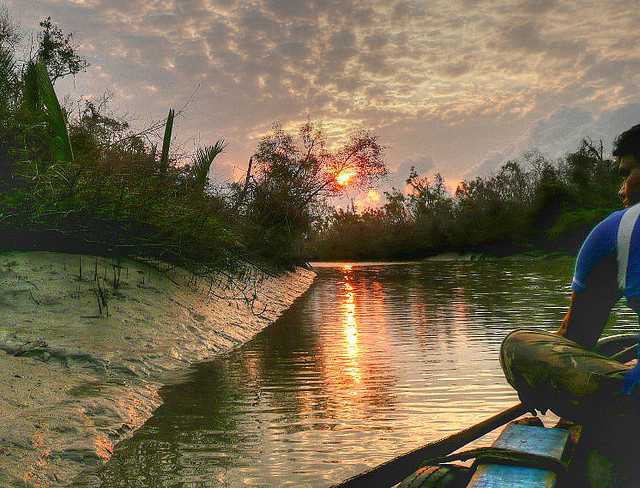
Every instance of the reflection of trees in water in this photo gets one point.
(197, 418)
(505, 295)
(458, 308)
(489, 298)
(348, 352)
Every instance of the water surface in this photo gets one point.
(373, 361)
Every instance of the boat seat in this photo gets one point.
(528, 439)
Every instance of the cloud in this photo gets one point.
(398, 176)
(561, 132)
(525, 36)
(406, 10)
(457, 69)
(466, 82)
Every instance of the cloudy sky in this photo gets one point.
(455, 86)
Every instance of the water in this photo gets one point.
(373, 361)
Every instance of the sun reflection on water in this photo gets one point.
(372, 362)
(350, 324)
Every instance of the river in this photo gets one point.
(374, 360)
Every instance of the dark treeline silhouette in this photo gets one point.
(82, 180)
(530, 205)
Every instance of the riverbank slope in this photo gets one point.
(86, 342)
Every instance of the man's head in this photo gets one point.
(626, 149)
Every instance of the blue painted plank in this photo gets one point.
(501, 476)
(523, 438)
(533, 440)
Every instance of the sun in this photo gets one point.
(345, 176)
(373, 196)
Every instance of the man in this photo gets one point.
(608, 264)
(607, 268)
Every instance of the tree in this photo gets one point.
(58, 52)
(9, 34)
(310, 170)
(593, 179)
(8, 86)
(428, 197)
(9, 38)
(201, 163)
(289, 177)
(395, 210)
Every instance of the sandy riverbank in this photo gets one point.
(86, 343)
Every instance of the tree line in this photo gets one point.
(531, 204)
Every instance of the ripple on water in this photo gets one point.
(373, 361)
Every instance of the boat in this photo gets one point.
(588, 447)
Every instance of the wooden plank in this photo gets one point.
(529, 439)
(501, 476)
(533, 440)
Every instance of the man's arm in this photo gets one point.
(590, 307)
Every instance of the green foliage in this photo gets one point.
(114, 202)
(9, 85)
(115, 197)
(527, 204)
(581, 219)
(8, 78)
(166, 142)
(30, 90)
(202, 161)
(60, 142)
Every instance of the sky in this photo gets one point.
(455, 86)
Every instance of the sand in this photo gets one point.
(86, 342)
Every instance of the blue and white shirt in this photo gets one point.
(618, 234)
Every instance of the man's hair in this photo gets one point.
(628, 143)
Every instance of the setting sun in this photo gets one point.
(344, 177)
